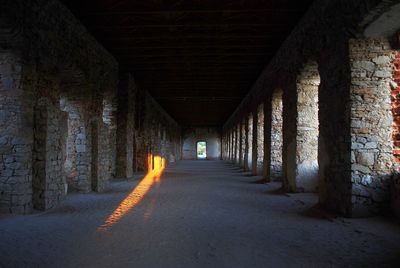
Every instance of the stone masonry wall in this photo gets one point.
(48, 183)
(260, 138)
(210, 135)
(152, 121)
(228, 147)
(371, 127)
(250, 142)
(231, 144)
(126, 127)
(237, 144)
(77, 164)
(46, 52)
(59, 111)
(107, 150)
(323, 36)
(16, 144)
(254, 142)
(246, 144)
(243, 135)
(276, 136)
(225, 149)
(307, 83)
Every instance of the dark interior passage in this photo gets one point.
(223, 133)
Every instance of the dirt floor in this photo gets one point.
(200, 214)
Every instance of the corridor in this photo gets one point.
(200, 214)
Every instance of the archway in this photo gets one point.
(201, 150)
(307, 135)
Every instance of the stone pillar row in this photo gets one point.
(346, 150)
(57, 138)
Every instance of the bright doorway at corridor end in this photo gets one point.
(201, 150)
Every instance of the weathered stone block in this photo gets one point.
(366, 158)
(360, 168)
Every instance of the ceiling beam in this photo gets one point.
(197, 36)
(190, 68)
(195, 11)
(193, 55)
(173, 46)
(212, 25)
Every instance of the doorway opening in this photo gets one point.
(201, 150)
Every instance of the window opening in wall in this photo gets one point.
(201, 150)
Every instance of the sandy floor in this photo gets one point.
(201, 214)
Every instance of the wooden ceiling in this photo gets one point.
(197, 58)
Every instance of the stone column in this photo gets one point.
(48, 183)
(246, 144)
(231, 145)
(16, 136)
(222, 149)
(267, 141)
(232, 131)
(260, 139)
(237, 144)
(276, 136)
(108, 149)
(125, 127)
(78, 163)
(254, 141)
(240, 144)
(249, 139)
(243, 142)
(226, 142)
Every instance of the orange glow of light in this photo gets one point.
(155, 165)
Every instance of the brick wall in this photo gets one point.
(395, 97)
(395, 93)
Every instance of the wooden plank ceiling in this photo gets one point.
(197, 58)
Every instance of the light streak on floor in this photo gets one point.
(155, 167)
